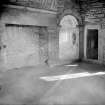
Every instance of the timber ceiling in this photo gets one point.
(52, 4)
(40, 4)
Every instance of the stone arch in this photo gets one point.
(68, 38)
(69, 21)
(72, 13)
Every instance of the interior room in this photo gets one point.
(52, 52)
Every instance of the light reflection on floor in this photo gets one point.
(31, 85)
(70, 76)
(74, 65)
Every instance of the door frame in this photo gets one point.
(85, 42)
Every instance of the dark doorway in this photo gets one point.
(92, 44)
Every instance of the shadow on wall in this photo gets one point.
(2, 7)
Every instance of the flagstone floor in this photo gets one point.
(25, 86)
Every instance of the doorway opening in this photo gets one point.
(92, 44)
(69, 38)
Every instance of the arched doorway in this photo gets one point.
(69, 38)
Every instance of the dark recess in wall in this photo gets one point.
(2, 3)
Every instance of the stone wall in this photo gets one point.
(24, 37)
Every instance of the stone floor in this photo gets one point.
(24, 86)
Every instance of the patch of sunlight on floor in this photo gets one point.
(74, 65)
(70, 76)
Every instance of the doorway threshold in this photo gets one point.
(92, 61)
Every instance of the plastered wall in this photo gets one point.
(26, 17)
(21, 46)
(22, 43)
(102, 46)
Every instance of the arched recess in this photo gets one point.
(69, 38)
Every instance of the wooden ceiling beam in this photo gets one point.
(31, 9)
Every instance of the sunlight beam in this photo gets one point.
(70, 76)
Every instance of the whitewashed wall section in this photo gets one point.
(21, 46)
(102, 41)
(102, 45)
